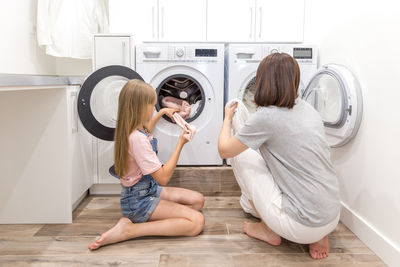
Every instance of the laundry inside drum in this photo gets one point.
(183, 93)
(248, 96)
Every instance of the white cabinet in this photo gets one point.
(159, 20)
(279, 20)
(80, 150)
(231, 21)
(182, 20)
(113, 50)
(255, 21)
(136, 17)
(45, 164)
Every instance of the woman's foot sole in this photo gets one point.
(262, 232)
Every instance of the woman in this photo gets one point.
(298, 196)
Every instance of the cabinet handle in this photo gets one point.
(74, 115)
(162, 22)
(251, 22)
(152, 20)
(123, 53)
(259, 33)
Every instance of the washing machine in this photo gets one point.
(193, 72)
(242, 61)
(333, 90)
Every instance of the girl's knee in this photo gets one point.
(200, 201)
(198, 223)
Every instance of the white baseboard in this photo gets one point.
(105, 189)
(378, 243)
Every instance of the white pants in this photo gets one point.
(258, 186)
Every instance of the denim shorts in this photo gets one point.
(140, 200)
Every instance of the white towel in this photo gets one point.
(240, 116)
(190, 130)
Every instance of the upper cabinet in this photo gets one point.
(136, 17)
(209, 20)
(182, 20)
(255, 21)
(231, 21)
(279, 20)
(159, 20)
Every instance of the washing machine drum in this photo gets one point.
(181, 90)
(336, 94)
(98, 99)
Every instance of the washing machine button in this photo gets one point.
(180, 52)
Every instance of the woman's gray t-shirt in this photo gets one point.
(293, 145)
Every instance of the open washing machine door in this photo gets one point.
(336, 94)
(98, 99)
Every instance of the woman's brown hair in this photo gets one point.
(132, 112)
(277, 81)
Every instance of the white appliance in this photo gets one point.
(113, 64)
(193, 72)
(333, 90)
(242, 61)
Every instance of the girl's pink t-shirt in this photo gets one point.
(142, 159)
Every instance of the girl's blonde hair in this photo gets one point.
(132, 114)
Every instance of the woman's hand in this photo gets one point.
(230, 110)
(169, 112)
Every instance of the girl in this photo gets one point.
(297, 197)
(147, 208)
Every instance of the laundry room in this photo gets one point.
(199, 133)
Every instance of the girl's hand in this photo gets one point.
(169, 112)
(182, 139)
(230, 110)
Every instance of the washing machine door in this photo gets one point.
(335, 93)
(98, 99)
(247, 92)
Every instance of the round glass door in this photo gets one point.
(248, 96)
(336, 94)
(182, 92)
(98, 99)
(328, 96)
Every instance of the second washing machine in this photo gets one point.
(193, 73)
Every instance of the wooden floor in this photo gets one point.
(221, 244)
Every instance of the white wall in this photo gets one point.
(19, 52)
(365, 36)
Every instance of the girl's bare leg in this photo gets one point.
(168, 219)
(260, 230)
(190, 198)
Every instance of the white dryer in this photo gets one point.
(242, 61)
(332, 90)
(200, 66)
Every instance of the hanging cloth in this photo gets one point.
(66, 27)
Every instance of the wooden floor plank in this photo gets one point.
(222, 243)
(142, 260)
(260, 259)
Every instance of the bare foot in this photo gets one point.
(320, 249)
(114, 235)
(261, 231)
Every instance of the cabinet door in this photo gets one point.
(135, 17)
(279, 20)
(182, 21)
(112, 50)
(231, 21)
